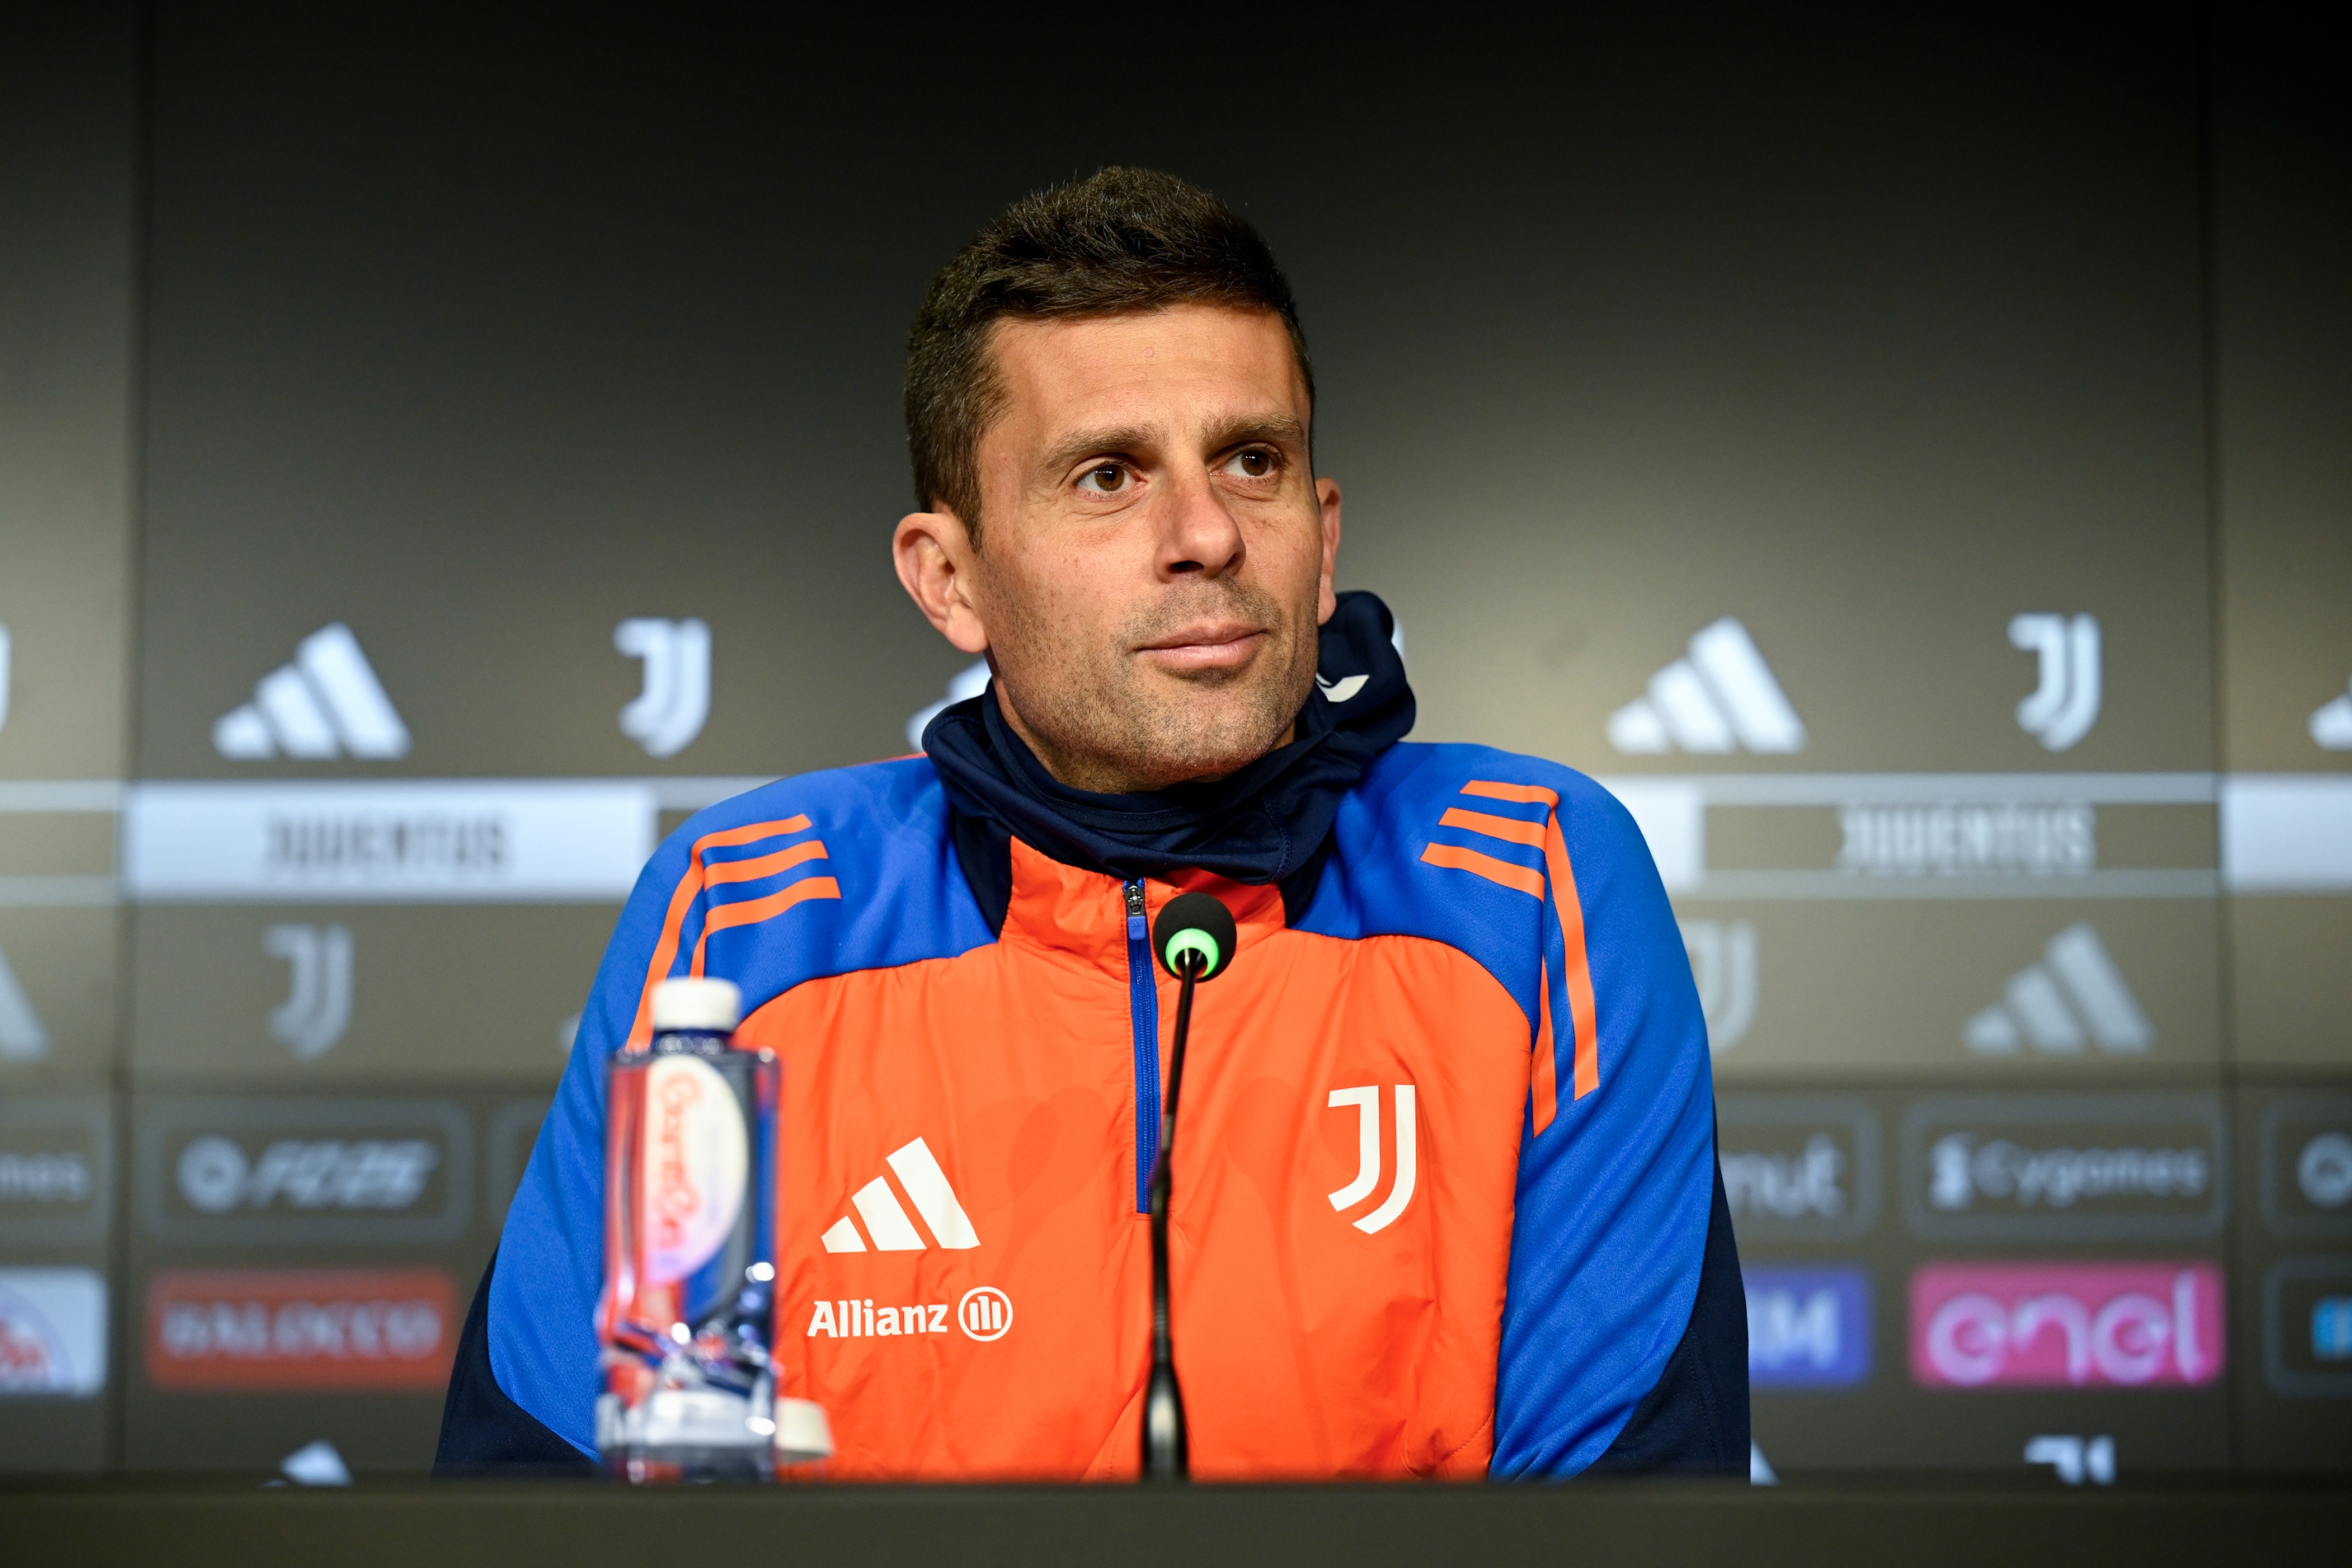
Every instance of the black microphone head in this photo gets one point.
(1195, 923)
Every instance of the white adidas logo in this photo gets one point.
(22, 1038)
(326, 702)
(2075, 992)
(1720, 697)
(2331, 723)
(885, 1221)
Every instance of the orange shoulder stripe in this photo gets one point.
(758, 866)
(1543, 1076)
(1523, 879)
(1530, 834)
(751, 911)
(1586, 1074)
(1526, 794)
(681, 899)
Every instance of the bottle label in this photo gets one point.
(696, 1161)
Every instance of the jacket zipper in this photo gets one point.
(1143, 1011)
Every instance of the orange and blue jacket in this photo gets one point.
(1444, 1191)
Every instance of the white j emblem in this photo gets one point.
(1367, 1101)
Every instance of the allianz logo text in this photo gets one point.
(984, 1313)
(1807, 1326)
(2120, 1325)
(1961, 1171)
(1787, 1186)
(216, 1177)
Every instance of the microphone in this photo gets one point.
(1194, 938)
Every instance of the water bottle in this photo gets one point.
(686, 1321)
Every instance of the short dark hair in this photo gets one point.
(1123, 241)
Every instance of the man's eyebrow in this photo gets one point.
(1279, 429)
(1109, 442)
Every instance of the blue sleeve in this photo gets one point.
(541, 1292)
(876, 839)
(1615, 1195)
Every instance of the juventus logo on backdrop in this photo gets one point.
(668, 714)
(318, 1006)
(2065, 704)
(1367, 1101)
(1723, 963)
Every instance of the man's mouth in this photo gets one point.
(1206, 646)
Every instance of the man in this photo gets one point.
(1445, 1198)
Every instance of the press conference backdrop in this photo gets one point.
(1908, 460)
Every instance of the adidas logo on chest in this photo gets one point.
(884, 1218)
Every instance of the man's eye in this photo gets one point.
(1105, 479)
(1256, 463)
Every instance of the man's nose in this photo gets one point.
(1197, 532)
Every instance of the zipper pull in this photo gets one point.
(1135, 931)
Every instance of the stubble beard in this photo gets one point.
(1106, 720)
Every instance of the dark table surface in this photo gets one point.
(1983, 1523)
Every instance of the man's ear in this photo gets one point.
(1327, 597)
(936, 561)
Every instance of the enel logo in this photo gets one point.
(2124, 1325)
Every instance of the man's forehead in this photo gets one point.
(1169, 373)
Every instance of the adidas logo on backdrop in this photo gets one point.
(2075, 995)
(327, 702)
(1720, 697)
(926, 1187)
(22, 1038)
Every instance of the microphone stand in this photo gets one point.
(1165, 1452)
(1195, 937)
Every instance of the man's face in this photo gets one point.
(1156, 553)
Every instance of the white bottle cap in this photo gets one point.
(702, 1003)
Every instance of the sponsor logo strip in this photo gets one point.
(2066, 1325)
(1807, 1326)
(305, 1330)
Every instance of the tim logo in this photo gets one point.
(1367, 1103)
(1720, 697)
(318, 1006)
(2059, 1325)
(668, 713)
(2065, 704)
(325, 703)
(1723, 963)
(1807, 1328)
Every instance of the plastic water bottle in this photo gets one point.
(687, 1323)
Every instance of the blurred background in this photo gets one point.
(1908, 457)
